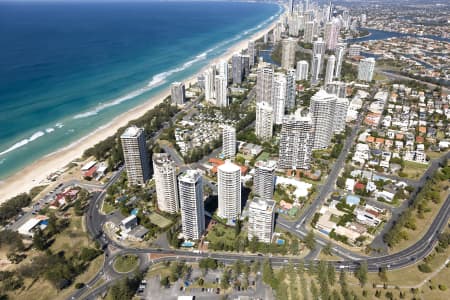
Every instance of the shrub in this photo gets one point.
(79, 285)
(425, 268)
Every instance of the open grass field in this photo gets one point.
(107, 208)
(126, 263)
(414, 170)
(70, 240)
(159, 220)
(221, 233)
(403, 280)
(263, 156)
(423, 224)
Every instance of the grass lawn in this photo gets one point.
(107, 208)
(335, 219)
(70, 240)
(434, 154)
(263, 156)
(221, 233)
(379, 76)
(404, 279)
(422, 224)
(245, 157)
(440, 279)
(126, 263)
(414, 170)
(159, 220)
(158, 269)
(411, 275)
(323, 256)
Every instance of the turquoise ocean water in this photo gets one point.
(67, 69)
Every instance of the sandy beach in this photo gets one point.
(38, 171)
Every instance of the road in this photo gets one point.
(378, 242)
(299, 227)
(394, 261)
(351, 261)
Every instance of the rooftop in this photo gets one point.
(132, 131)
(229, 167)
(262, 204)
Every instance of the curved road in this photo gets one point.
(350, 262)
(398, 260)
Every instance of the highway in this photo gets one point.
(398, 260)
(350, 262)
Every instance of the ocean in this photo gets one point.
(69, 68)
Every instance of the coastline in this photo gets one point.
(35, 173)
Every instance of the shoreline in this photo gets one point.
(35, 173)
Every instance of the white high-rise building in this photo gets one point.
(296, 142)
(319, 49)
(264, 178)
(279, 97)
(291, 7)
(339, 53)
(329, 73)
(222, 69)
(340, 115)
(308, 36)
(302, 70)
(277, 32)
(229, 191)
(288, 47)
(191, 200)
(365, 69)
(264, 81)
(221, 91)
(332, 33)
(229, 141)
(177, 93)
(316, 66)
(210, 78)
(164, 173)
(136, 155)
(261, 216)
(290, 90)
(251, 53)
(322, 110)
(264, 121)
(293, 26)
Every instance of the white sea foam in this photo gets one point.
(112, 103)
(59, 125)
(157, 80)
(49, 130)
(161, 78)
(23, 142)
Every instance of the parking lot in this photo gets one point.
(154, 290)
